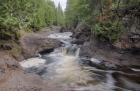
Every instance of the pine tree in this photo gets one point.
(99, 15)
(24, 15)
(60, 15)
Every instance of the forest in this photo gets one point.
(103, 16)
(27, 15)
(69, 45)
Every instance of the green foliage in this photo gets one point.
(18, 16)
(71, 12)
(108, 30)
(98, 14)
(60, 16)
(22, 15)
(51, 16)
(8, 33)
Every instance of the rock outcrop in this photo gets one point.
(130, 39)
(34, 43)
(12, 76)
(124, 52)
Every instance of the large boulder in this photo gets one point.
(34, 43)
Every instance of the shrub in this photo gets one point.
(108, 30)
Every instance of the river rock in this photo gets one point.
(34, 43)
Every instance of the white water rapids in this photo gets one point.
(62, 67)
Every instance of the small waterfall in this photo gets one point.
(77, 53)
(64, 50)
(63, 67)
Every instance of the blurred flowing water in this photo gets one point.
(64, 67)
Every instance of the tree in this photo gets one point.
(51, 17)
(18, 15)
(71, 12)
(60, 15)
(99, 15)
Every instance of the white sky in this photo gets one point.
(62, 2)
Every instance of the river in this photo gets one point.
(63, 67)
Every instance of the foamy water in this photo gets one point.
(65, 35)
(66, 69)
(32, 62)
(62, 67)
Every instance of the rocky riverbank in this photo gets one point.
(111, 56)
(34, 43)
(122, 54)
(12, 77)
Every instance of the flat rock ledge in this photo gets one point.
(34, 43)
(12, 76)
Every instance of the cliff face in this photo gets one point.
(124, 51)
(131, 37)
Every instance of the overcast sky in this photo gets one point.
(62, 2)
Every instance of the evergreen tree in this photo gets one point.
(24, 15)
(51, 13)
(71, 12)
(99, 15)
(60, 15)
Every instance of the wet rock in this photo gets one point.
(46, 51)
(100, 64)
(37, 70)
(78, 42)
(112, 57)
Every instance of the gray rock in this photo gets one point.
(34, 43)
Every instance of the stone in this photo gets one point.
(34, 43)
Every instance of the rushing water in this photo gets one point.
(64, 67)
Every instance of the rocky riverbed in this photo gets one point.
(65, 68)
(12, 75)
(65, 63)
